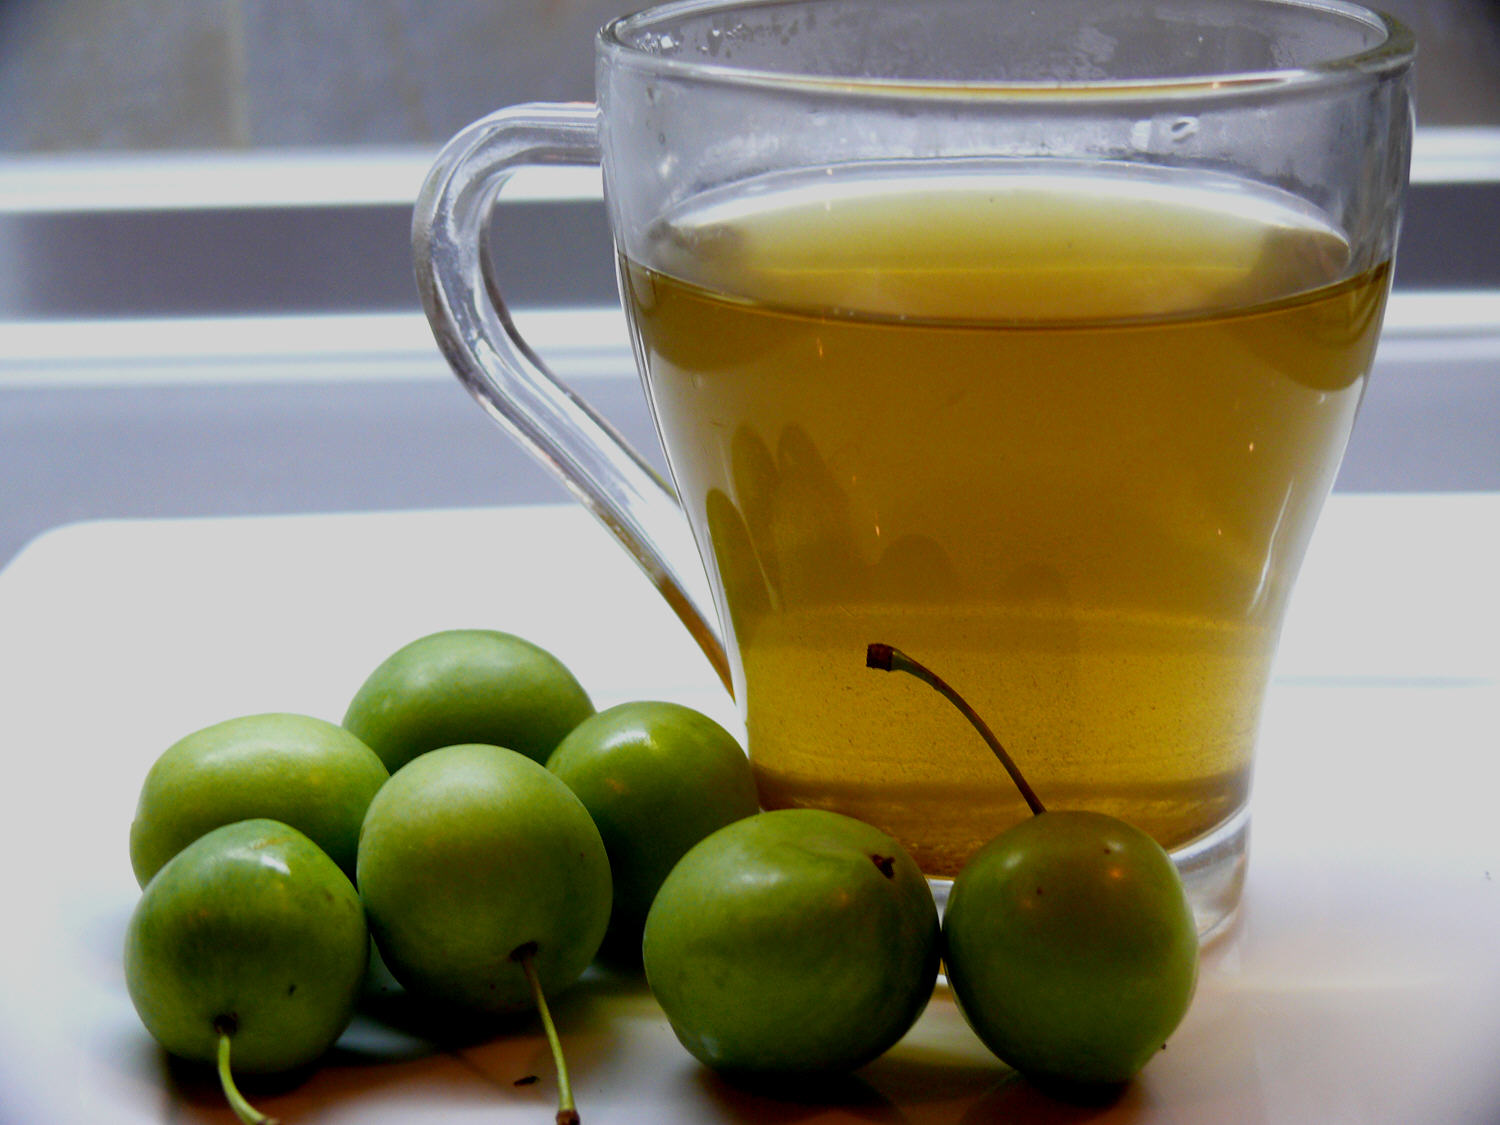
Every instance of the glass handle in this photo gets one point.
(474, 329)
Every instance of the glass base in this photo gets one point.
(1213, 874)
(1212, 870)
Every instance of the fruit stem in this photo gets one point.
(889, 659)
(526, 955)
(242, 1109)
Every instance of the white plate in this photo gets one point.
(1362, 983)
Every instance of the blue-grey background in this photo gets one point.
(139, 79)
(154, 74)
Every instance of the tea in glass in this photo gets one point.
(1059, 432)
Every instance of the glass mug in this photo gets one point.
(1024, 337)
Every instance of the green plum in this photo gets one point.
(1069, 941)
(249, 940)
(1071, 947)
(792, 942)
(472, 858)
(302, 771)
(466, 686)
(656, 778)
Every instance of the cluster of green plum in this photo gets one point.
(500, 831)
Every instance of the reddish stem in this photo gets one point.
(889, 659)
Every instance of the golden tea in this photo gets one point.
(1061, 436)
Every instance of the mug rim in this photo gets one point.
(616, 42)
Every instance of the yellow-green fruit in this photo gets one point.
(470, 856)
(1071, 947)
(302, 771)
(467, 686)
(656, 778)
(798, 941)
(250, 931)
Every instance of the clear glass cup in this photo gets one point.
(1024, 337)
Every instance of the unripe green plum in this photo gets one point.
(656, 778)
(467, 686)
(302, 771)
(250, 931)
(469, 855)
(1071, 947)
(792, 942)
